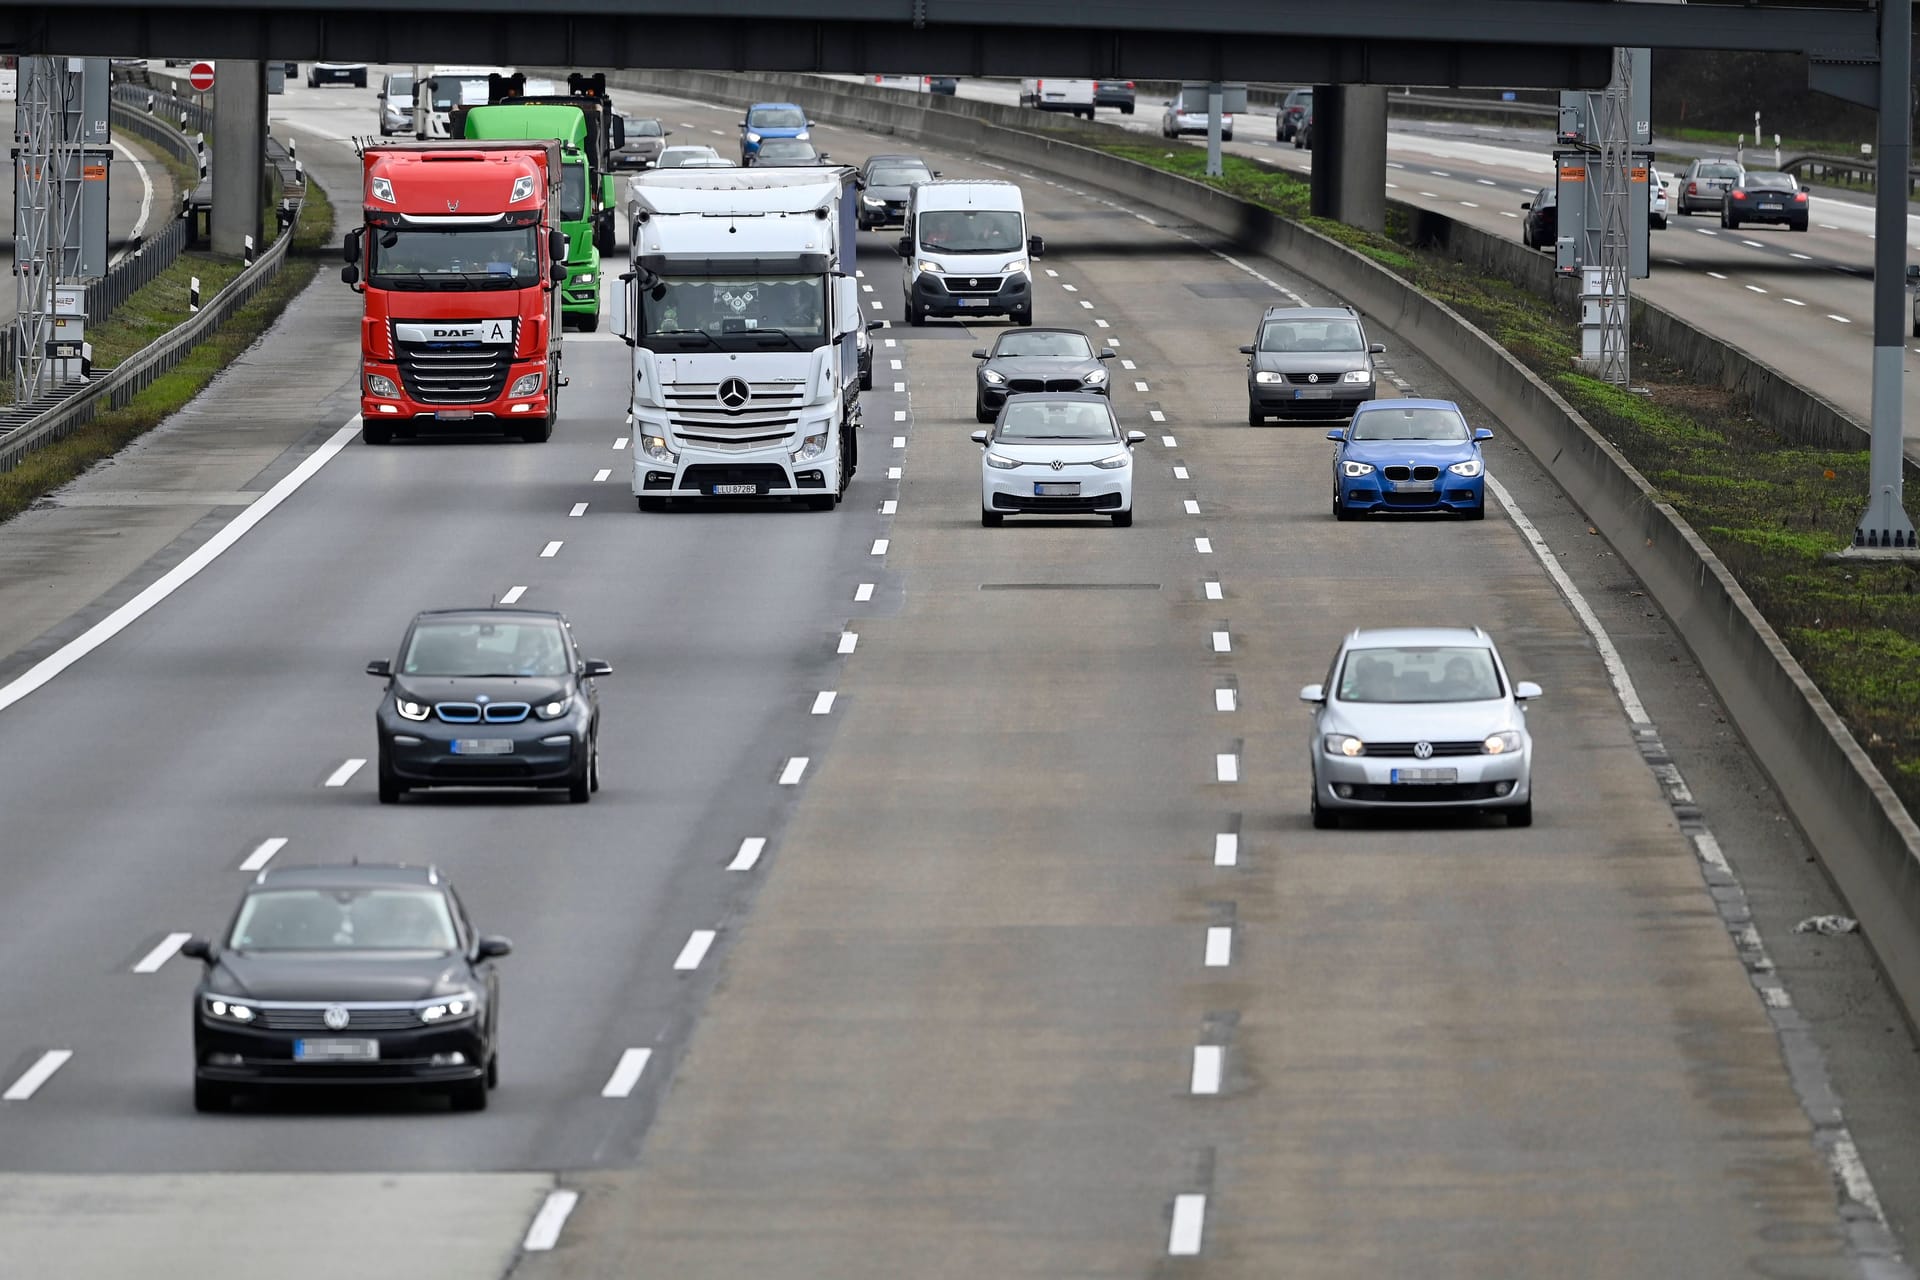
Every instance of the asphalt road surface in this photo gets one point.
(956, 883)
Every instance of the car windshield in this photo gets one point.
(400, 91)
(1312, 335)
(673, 157)
(644, 129)
(970, 231)
(1773, 181)
(898, 176)
(1408, 424)
(527, 647)
(1436, 674)
(454, 91)
(344, 920)
(1060, 420)
(1719, 170)
(786, 149)
(573, 192)
(776, 118)
(734, 313)
(1067, 346)
(466, 258)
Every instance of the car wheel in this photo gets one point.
(209, 1098)
(1799, 226)
(1341, 512)
(981, 413)
(493, 1071)
(468, 1095)
(593, 764)
(1126, 110)
(1478, 511)
(1255, 418)
(372, 432)
(1521, 815)
(1297, 143)
(866, 380)
(1323, 819)
(991, 519)
(1023, 318)
(391, 788)
(914, 317)
(360, 82)
(651, 504)
(1226, 137)
(1123, 519)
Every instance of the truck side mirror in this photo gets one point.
(350, 274)
(558, 271)
(619, 132)
(846, 306)
(904, 246)
(557, 245)
(617, 308)
(350, 247)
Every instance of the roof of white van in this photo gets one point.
(967, 193)
(751, 190)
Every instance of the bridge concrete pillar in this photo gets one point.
(239, 151)
(1350, 154)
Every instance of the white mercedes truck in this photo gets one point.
(742, 311)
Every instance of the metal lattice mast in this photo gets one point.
(37, 219)
(1616, 250)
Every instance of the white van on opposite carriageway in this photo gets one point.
(967, 251)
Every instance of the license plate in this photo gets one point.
(453, 415)
(721, 490)
(483, 746)
(336, 1051)
(1313, 393)
(1423, 776)
(968, 302)
(1770, 208)
(1057, 490)
(1413, 486)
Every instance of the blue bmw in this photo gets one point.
(1409, 455)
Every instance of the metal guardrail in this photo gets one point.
(1862, 166)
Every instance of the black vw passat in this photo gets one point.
(358, 974)
(489, 698)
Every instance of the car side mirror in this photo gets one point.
(1313, 693)
(666, 133)
(935, 172)
(979, 438)
(1135, 437)
(198, 949)
(380, 667)
(1376, 348)
(904, 246)
(824, 157)
(979, 353)
(1526, 691)
(1108, 353)
(875, 324)
(595, 667)
(1036, 247)
(1246, 351)
(1913, 272)
(1338, 434)
(1482, 433)
(492, 948)
(382, 95)
(1526, 204)
(350, 274)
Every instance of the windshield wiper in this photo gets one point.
(782, 334)
(685, 333)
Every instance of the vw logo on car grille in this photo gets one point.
(734, 392)
(1423, 750)
(1057, 464)
(335, 1017)
(1313, 377)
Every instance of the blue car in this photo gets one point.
(1409, 455)
(770, 120)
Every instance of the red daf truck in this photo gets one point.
(462, 257)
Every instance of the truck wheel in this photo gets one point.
(540, 430)
(915, 318)
(375, 432)
(589, 323)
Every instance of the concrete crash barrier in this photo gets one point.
(1863, 835)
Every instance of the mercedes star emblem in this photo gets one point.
(1423, 750)
(335, 1017)
(1313, 377)
(734, 392)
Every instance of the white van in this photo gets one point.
(1059, 95)
(913, 84)
(967, 251)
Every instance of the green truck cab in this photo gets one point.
(580, 213)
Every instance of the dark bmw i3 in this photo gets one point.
(489, 698)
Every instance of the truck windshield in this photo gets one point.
(970, 231)
(453, 91)
(735, 314)
(477, 258)
(573, 192)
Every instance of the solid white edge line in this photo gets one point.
(1189, 1221)
(750, 850)
(263, 853)
(695, 951)
(1219, 946)
(340, 776)
(823, 702)
(626, 1074)
(161, 953)
(1209, 1060)
(1609, 656)
(172, 580)
(544, 1232)
(796, 767)
(146, 193)
(36, 1075)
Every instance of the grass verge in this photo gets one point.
(151, 312)
(1770, 508)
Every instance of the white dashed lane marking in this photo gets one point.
(1203, 546)
(1213, 591)
(36, 1075)
(626, 1074)
(849, 640)
(796, 769)
(1189, 1221)
(579, 509)
(338, 778)
(162, 952)
(863, 592)
(1224, 699)
(513, 594)
(545, 1231)
(1226, 766)
(1209, 1061)
(698, 943)
(551, 550)
(263, 853)
(823, 702)
(1226, 849)
(750, 850)
(1219, 946)
(1222, 642)
(600, 476)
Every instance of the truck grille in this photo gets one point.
(973, 285)
(769, 415)
(453, 372)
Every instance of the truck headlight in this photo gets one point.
(1356, 469)
(933, 267)
(1266, 375)
(585, 277)
(522, 189)
(526, 384)
(811, 447)
(655, 447)
(381, 189)
(1357, 375)
(382, 386)
(1470, 468)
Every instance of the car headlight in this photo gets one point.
(460, 1005)
(1096, 377)
(655, 447)
(873, 202)
(1357, 375)
(802, 135)
(1470, 468)
(522, 189)
(933, 267)
(525, 385)
(1356, 469)
(811, 447)
(1114, 463)
(227, 1010)
(379, 386)
(1266, 375)
(1018, 267)
(753, 137)
(992, 379)
(409, 709)
(1343, 744)
(555, 709)
(1501, 743)
(1000, 462)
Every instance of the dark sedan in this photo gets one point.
(1029, 360)
(1759, 196)
(885, 184)
(1540, 219)
(1114, 93)
(644, 138)
(489, 698)
(786, 153)
(364, 974)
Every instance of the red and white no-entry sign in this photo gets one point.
(200, 76)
